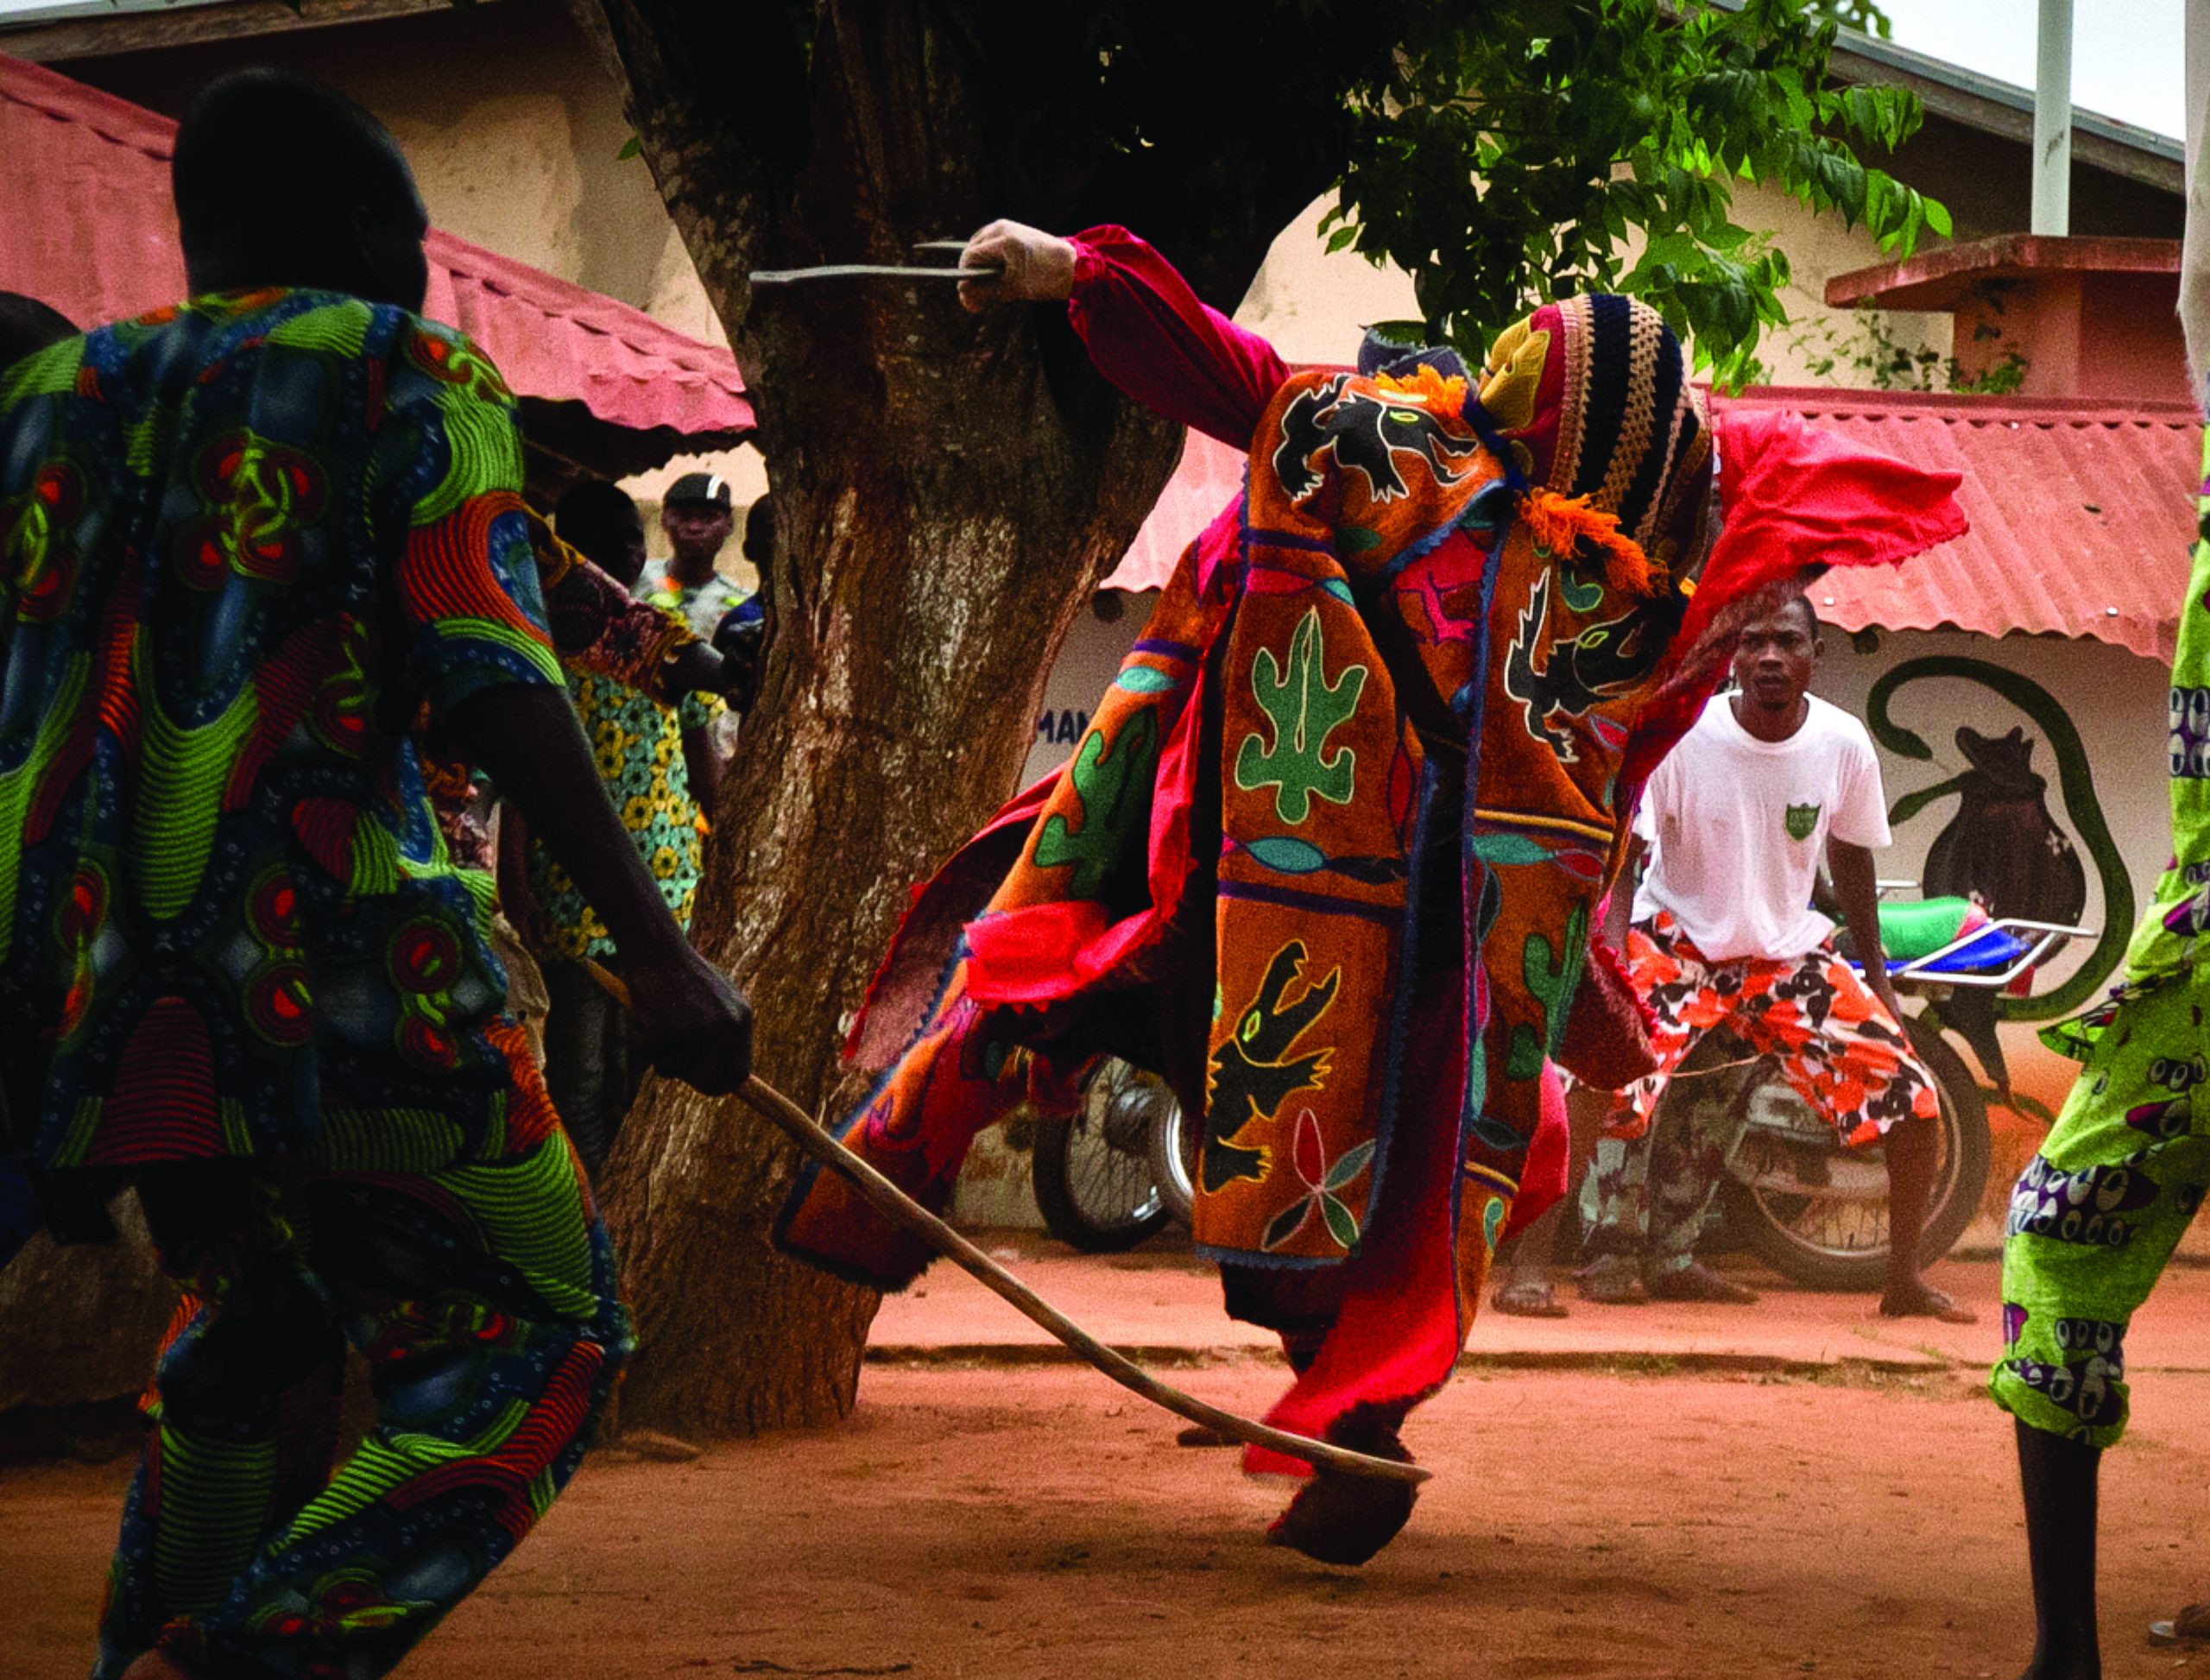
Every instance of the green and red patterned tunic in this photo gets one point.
(241, 542)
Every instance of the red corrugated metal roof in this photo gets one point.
(2082, 514)
(84, 198)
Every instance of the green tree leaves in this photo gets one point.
(1520, 154)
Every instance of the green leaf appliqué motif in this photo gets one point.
(1305, 710)
(1111, 784)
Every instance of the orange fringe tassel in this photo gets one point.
(1563, 524)
(1423, 381)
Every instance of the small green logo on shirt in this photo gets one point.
(1802, 819)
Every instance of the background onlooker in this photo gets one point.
(658, 768)
(698, 518)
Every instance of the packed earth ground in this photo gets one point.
(1791, 1490)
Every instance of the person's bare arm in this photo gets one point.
(1618, 908)
(703, 767)
(1856, 890)
(692, 1023)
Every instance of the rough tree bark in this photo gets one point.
(948, 488)
(80, 1324)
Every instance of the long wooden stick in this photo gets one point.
(909, 1216)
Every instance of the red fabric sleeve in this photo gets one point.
(1148, 334)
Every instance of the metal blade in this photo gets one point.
(866, 271)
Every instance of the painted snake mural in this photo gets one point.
(1994, 760)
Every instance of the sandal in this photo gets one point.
(1931, 1304)
(1528, 1297)
(2190, 1626)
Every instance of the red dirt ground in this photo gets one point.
(1035, 1521)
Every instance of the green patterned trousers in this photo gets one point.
(2098, 1212)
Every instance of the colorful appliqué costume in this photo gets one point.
(2099, 1209)
(1329, 855)
(241, 542)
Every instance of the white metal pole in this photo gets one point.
(2194, 250)
(2198, 79)
(2052, 211)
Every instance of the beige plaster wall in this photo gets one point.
(515, 137)
(1313, 305)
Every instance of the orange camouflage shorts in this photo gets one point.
(1835, 1042)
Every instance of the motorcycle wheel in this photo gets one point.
(1093, 1178)
(1174, 1157)
(1826, 1241)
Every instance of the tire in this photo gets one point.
(1174, 1158)
(1093, 1169)
(1797, 1237)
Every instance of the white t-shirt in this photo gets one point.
(1737, 827)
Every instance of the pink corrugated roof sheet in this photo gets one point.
(1210, 475)
(84, 197)
(2082, 514)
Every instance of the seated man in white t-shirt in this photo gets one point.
(1734, 822)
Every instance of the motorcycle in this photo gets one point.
(1794, 1194)
(1120, 1169)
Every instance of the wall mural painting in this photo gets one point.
(2003, 846)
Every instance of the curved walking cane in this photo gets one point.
(902, 1210)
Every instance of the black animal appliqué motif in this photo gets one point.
(1604, 660)
(1253, 1074)
(1364, 432)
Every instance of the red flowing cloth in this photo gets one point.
(1397, 1335)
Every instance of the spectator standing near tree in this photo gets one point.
(697, 517)
(659, 770)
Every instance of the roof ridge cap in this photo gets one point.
(576, 310)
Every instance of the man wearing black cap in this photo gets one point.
(699, 517)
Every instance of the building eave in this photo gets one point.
(53, 39)
(1998, 108)
(1940, 278)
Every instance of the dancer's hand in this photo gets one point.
(689, 1021)
(1035, 266)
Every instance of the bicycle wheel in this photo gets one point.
(1093, 1168)
(1820, 1215)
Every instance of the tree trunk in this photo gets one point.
(80, 1325)
(940, 527)
(948, 488)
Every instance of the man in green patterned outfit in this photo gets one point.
(243, 540)
(2098, 1212)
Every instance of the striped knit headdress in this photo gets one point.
(1593, 395)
